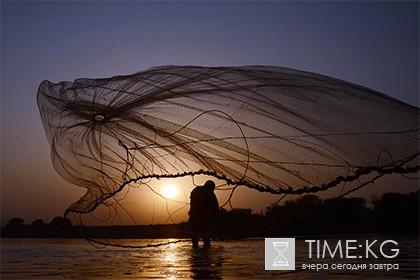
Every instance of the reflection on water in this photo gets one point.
(77, 259)
(206, 263)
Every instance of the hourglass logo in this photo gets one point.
(279, 254)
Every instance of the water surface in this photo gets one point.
(232, 259)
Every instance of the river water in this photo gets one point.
(231, 259)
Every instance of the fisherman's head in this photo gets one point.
(210, 185)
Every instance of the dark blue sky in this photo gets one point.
(374, 44)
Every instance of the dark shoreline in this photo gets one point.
(170, 231)
(124, 232)
(306, 215)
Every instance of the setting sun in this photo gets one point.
(169, 191)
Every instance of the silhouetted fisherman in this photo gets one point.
(204, 212)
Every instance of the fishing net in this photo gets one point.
(270, 129)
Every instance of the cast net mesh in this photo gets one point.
(270, 129)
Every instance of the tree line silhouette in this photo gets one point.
(306, 215)
(310, 215)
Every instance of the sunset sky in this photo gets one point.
(374, 44)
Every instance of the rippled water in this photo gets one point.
(233, 259)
